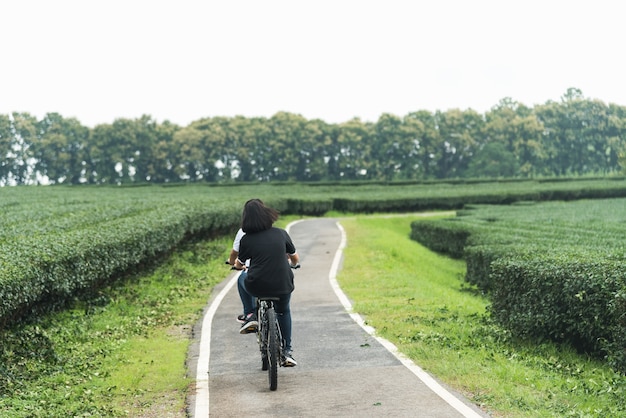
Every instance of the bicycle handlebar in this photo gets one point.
(296, 266)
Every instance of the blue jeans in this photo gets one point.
(248, 301)
(283, 309)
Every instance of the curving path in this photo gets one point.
(343, 370)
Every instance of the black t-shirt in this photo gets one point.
(269, 273)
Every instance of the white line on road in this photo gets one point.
(452, 400)
(202, 369)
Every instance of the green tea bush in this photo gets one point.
(307, 207)
(571, 296)
(445, 236)
(57, 241)
(51, 265)
(554, 270)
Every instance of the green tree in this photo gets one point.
(284, 146)
(24, 131)
(460, 135)
(240, 147)
(493, 160)
(386, 147)
(396, 147)
(517, 128)
(622, 160)
(191, 161)
(132, 142)
(258, 151)
(161, 169)
(428, 142)
(616, 138)
(6, 148)
(142, 138)
(580, 136)
(103, 156)
(314, 146)
(58, 149)
(349, 154)
(414, 138)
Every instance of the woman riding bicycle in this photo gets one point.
(272, 254)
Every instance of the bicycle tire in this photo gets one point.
(273, 348)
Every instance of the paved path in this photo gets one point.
(343, 371)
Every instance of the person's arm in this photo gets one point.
(232, 258)
(235, 250)
(239, 265)
(292, 254)
(294, 259)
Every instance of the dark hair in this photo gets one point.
(257, 217)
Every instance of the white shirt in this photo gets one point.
(237, 241)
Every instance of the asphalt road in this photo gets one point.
(343, 370)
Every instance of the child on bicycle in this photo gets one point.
(271, 254)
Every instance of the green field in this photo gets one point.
(91, 278)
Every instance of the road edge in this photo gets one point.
(427, 379)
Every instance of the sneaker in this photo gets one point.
(288, 360)
(241, 318)
(250, 324)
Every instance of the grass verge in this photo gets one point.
(118, 353)
(418, 300)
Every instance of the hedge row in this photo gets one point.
(449, 196)
(51, 268)
(56, 241)
(553, 270)
(575, 296)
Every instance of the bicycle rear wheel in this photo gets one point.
(273, 348)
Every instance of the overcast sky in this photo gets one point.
(334, 60)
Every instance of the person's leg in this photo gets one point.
(284, 319)
(250, 323)
(247, 300)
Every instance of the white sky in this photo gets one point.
(182, 60)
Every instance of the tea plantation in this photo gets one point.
(553, 270)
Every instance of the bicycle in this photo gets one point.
(269, 336)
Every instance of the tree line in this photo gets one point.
(571, 137)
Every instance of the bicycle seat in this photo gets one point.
(272, 298)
